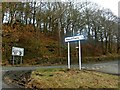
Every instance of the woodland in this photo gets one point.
(41, 27)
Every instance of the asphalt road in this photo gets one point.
(110, 67)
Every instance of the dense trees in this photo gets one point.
(61, 19)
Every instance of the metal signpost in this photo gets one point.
(70, 39)
(17, 52)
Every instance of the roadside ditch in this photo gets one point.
(17, 79)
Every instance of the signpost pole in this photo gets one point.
(13, 59)
(70, 39)
(68, 55)
(21, 60)
(79, 56)
(17, 52)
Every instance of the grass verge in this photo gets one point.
(74, 78)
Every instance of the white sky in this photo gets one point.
(111, 4)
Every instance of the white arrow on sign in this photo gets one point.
(17, 51)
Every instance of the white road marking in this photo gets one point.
(83, 67)
(5, 70)
(101, 66)
(97, 68)
(93, 68)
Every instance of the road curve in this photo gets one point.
(111, 67)
(107, 67)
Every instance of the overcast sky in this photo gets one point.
(111, 4)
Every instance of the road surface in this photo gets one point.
(110, 67)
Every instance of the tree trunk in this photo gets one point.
(118, 38)
(106, 44)
(34, 15)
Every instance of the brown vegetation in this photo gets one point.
(63, 78)
(40, 28)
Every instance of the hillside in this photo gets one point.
(36, 44)
(43, 48)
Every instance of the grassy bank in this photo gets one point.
(64, 78)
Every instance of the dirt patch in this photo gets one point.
(17, 78)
